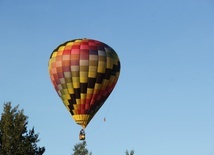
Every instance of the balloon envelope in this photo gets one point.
(84, 73)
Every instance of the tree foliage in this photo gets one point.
(80, 149)
(15, 139)
(131, 152)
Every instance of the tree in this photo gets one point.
(15, 139)
(80, 149)
(131, 152)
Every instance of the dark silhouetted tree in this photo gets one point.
(80, 149)
(15, 139)
(131, 152)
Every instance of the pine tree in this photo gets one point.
(80, 149)
(15, 139)
(131, 152)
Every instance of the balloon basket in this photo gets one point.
(82, 134)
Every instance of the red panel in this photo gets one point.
(75, 47)
(75, 63)
(60, 75)
(66, 68)
(75, 51)
(66, 52)
(75, 56)
(84, 47)
(66, 63)
(84, 55)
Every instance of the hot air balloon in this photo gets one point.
(84, 72)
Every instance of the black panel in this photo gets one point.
(100, 77)
(83, 88)
(91, 82)
(77, 93)
(108, 73)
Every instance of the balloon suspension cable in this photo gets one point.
(101, 122)
(104, 119)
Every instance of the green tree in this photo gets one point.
(131, 152)
(80, 149)
(15, 139)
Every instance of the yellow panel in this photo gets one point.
(68, 97)
(77, 41)
(75, 79)
(69, 85)
(65, 91)
(101, 67)
(68, 80)
(97, 86)
(92, 68)
(90, 90)
(83, 74)
(71, 90)
(92, 74)
(75, 74)
(83, 68)
(75, 106)
(78, 101)
(66, 102)
(82, 120)
(52, 60)
(63, 97)
(54, 54)
(109, 63)
(74, 112)
(76, 82)
(83, 96)
(76, 85)
(83, 77)
(70, 43)
(61, 48)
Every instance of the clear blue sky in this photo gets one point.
(163, 103)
